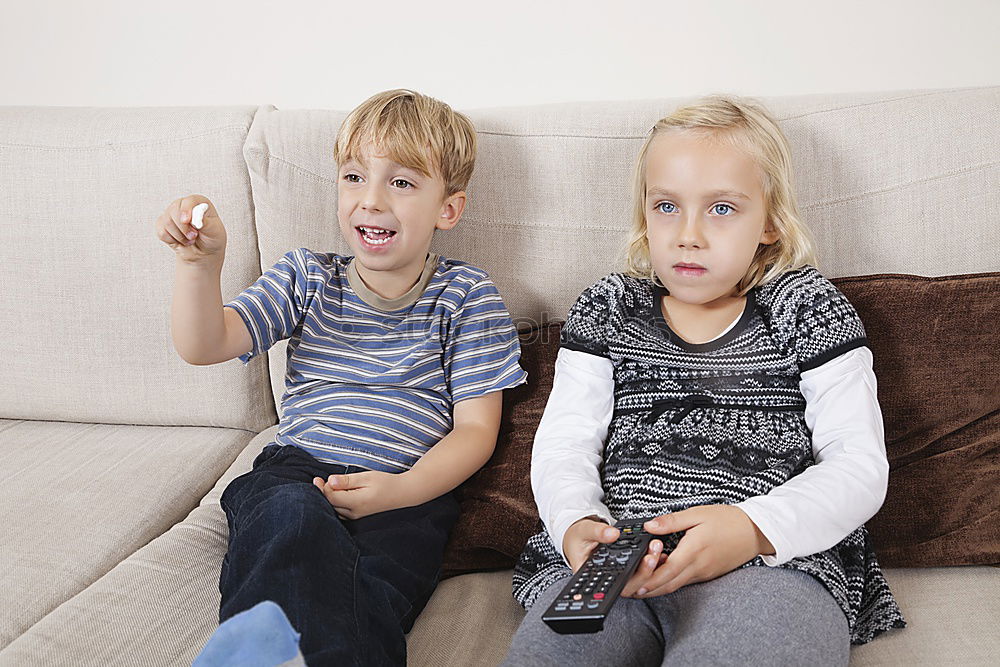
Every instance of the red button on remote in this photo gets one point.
(598, 596)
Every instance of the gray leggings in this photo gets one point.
(753, 616)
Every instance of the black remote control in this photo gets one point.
(587, 599)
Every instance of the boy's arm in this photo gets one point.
(447, 464)
(203, 331)
(460, 453)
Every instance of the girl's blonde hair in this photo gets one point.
(743, 124)
(414, 130)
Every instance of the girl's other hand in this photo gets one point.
(583, 537)
(719, 539)
(174, 228)
(647, 566)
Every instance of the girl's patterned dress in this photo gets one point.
(718, 422)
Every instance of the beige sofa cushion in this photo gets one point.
(886, 182)
(159, 606)
(884, 179)
(85, 306)
(77, 499)
(951, 614)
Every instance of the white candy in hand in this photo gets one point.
(197, 213)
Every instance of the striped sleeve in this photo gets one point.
(482, 352)
(272, 307)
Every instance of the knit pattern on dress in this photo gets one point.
(717, 423)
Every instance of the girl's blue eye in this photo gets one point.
(722, 209)
(405, 184)
(661, 209)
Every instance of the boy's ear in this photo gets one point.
(451, 210)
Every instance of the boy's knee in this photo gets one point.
(290, 511)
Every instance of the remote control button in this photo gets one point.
(593, 605)
(577, 597)
(598, 596)
(562, 606)
(576, 606)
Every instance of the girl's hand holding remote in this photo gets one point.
(719, 539)
(583, 537)
(192, 228)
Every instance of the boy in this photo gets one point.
(397, 359)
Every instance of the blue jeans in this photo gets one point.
(352, 587)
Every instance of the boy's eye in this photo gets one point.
(403, 184)
(352, 178)
(666, 207)
(722, 209)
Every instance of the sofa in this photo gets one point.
(115, 451)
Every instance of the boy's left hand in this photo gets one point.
(362, 493)
(719, 539)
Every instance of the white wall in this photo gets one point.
(315, 53)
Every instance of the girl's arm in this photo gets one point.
(818, 508)
(569, 443)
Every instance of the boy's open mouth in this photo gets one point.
(374, 236)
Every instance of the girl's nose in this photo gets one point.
(689, 235)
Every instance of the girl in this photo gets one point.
(723, 385)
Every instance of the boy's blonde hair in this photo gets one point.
(414, 130)
(743, 124)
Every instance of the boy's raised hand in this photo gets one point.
(362, 493)
(718, 539)
(582, 537)
(174, 228)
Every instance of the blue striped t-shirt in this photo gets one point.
(372, 387)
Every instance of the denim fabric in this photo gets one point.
(352, 587)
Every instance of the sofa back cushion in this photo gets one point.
(85, 304)
(901, 182)
(935, 343)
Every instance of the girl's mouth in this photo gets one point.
(690, 270)
(374, 238)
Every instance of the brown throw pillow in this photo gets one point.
(498, 512)
(936, 345)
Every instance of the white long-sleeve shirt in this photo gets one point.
(809, 513)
